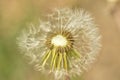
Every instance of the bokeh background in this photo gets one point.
(17, 14)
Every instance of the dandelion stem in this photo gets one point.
(54, 61)
(45, 58)
(59, 61)
(53, 57)
(65, 61)
(67, 77)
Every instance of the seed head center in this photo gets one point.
(59, 40)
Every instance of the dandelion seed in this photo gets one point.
(65, 45)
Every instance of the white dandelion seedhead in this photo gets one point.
(65, 45)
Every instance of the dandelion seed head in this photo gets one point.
(59, 40)
(66, 44)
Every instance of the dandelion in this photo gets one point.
(65, 45)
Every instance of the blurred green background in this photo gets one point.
(17, 14)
